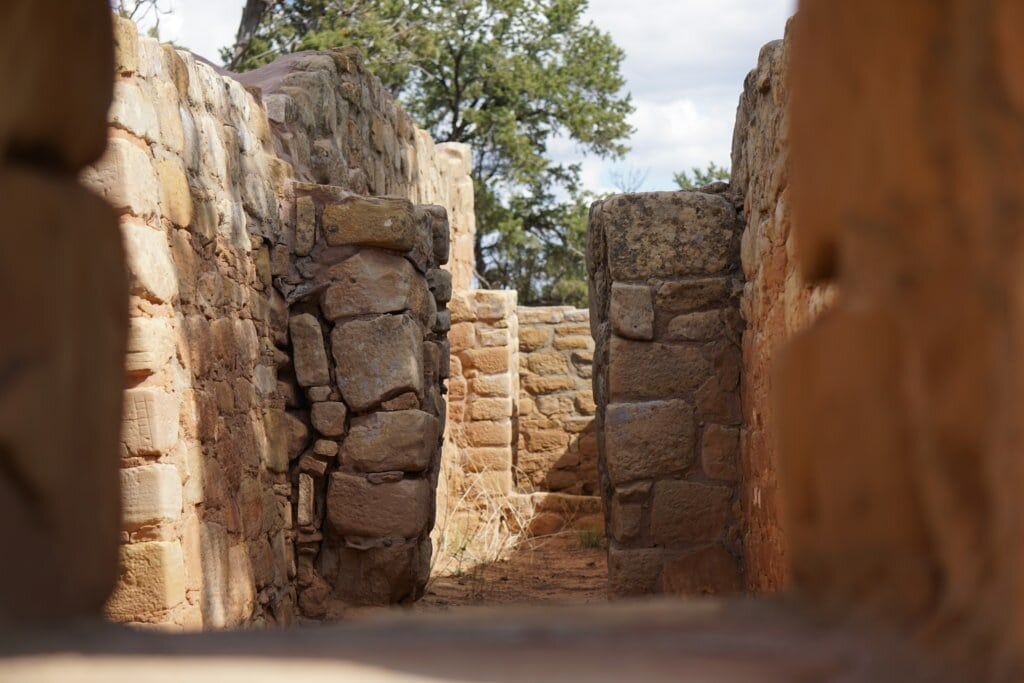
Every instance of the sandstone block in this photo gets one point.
(402, 440)
(490, 433)
(720, 452)
(700, 326)
(534, 338)
(632, 311)
(493, 385)
(489, 408)
(325, 448)
(489, 361)
(152, 271)
(440, 282)
(151, 343)
(355, 507)
(378, 359)
(150, 422)
(377, 282)
(487, 459)
(692, 295)
(308, 352)
(642, 371)
(440, 230)
(718, 404)
(495, 482)
(329, 418)
(546, 440)
(134, 110)
(304, 515)
(686, 512)
(150, 494)
(125, 177)
(286, 438)
(709, 571)
(387, 223)
(151, 581)
(493, 337)
(175, 195)
(648, 440)
(379, 576)
(634, 572)
(547, 363)
(537, 385)
(573, 342)
(626, 520)
(668, 234)
(305, 225)
(493, 304)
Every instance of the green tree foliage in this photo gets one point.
(698, 178)
(506, 77)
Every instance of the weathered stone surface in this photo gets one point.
(440, 282)
(487, 459)
(720, 452)
(308, 351)
(378, 576)
(150, 422)
(125, 177)
(489, 361)
(150, 494)
(305, 225)
(548, 363)
(151, 581)
(634, 572)
(387, 223)
(355, 507)
(709, 571)
(287, 437)
(304, 515)
(489, 433)
(687, 512)
(632, 311)
(669, 234)
(378, 359)
(403, 440)
(329, 418)
(57, 120)
(654, 371)
(152, 271)
(702, 326)
(489, 408)
(377, 282)
(626, 520)
(151, 343)
(648, 440)
(692, 295)
(175, 195)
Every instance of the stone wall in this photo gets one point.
(557, 446)
(776, 304)
(228, 239)
(664, 283)
(63, 336)
(368, 341)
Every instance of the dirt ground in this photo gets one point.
(541, 571)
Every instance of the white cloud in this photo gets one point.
(202, 26)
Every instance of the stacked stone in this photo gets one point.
(205, 441)
(664, 275)
(484, 387)
(63, 337)
(777, 302)
(368, 332)
(557, 449)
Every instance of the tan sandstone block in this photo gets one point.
(490, 433)
(573, 342)
(175, 195)
(489, 408)
(686, 512)
(125, 177)
(151, 581)
(489, 361)
(378, 359)
(537, 385)
(150, 422)
(151, 343)
(632, 311)
(648, 440)
(355, 507)
(376, 282)
(487, 459)
(493, 305)
(401, 440)
(150, 494)
(547, 363)
(546, 440)
(152, 271)
(491, 385)
(534, 338)
(328, 417)
(286, 438)
(308, 351)
(305, 225)
(641, 371)
(387, 223)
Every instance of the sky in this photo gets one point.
(685, 65)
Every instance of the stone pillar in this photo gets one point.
(901, 429)
(62, 341)
(664, 284)
(368, 329)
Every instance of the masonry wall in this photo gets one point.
(777, 303)
(229, 237)
(664, 287)
(557, 445)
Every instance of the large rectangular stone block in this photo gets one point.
(150, 422)
(401, 440)
(308, 352)
(150, 494)
(648, 440)
(152, 581)
(151, 343)
(377, 282)
(687, 512)
(356, 507)
(378, 359)
(641, 371)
